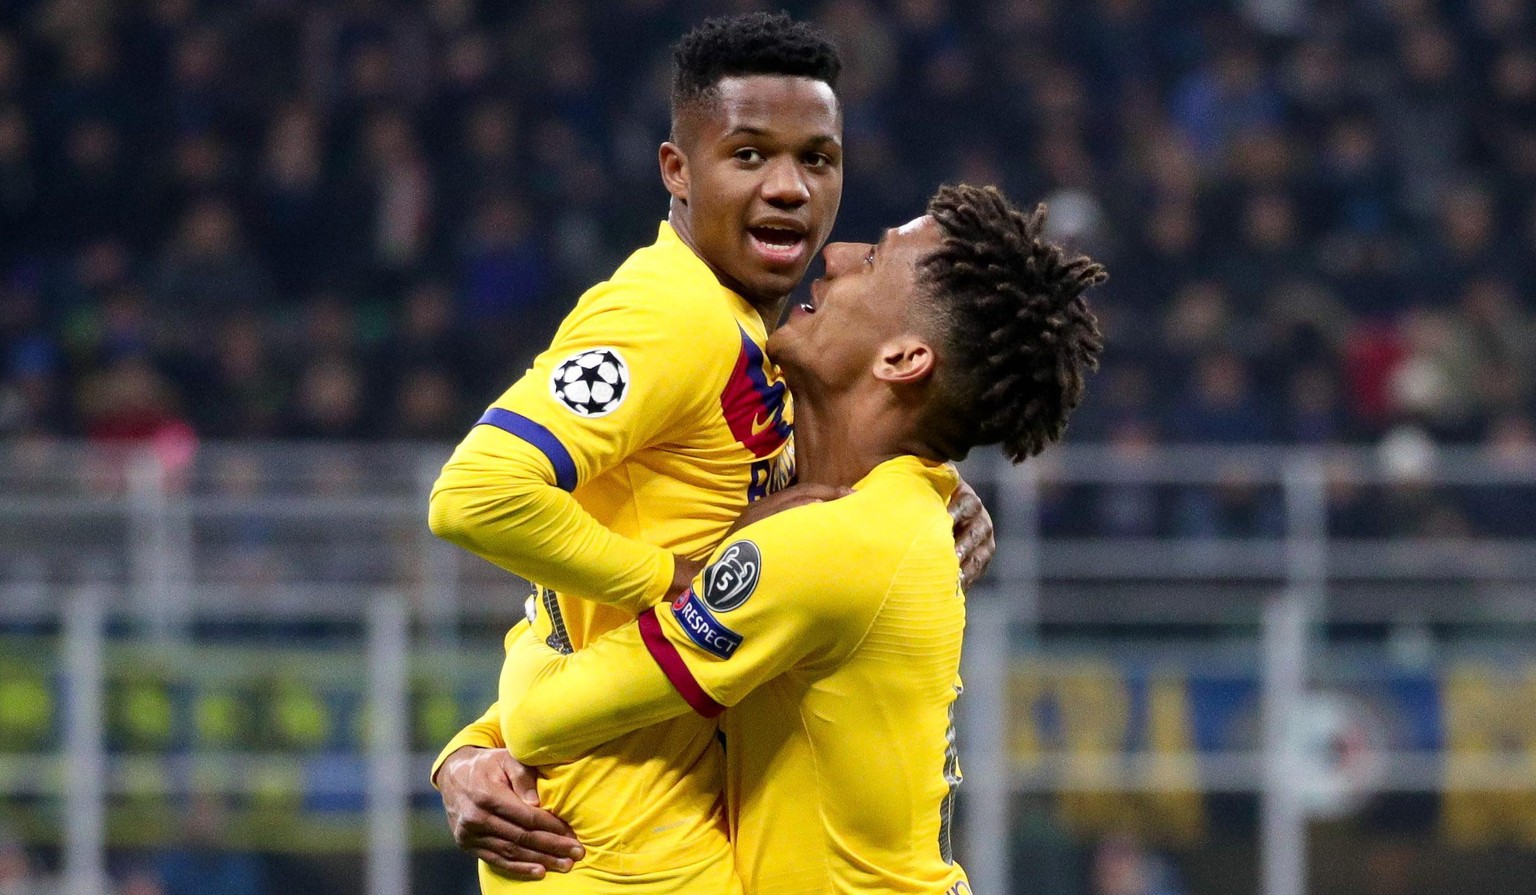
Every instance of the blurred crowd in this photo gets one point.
(360, 218)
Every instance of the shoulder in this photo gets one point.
(682, 324)
(840, 556)
(666, 282)
(654, 306)
(674, 333)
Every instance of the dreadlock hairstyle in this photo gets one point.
(1020, 335)
(755, 44)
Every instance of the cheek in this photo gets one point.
(712, 185)
(830, 194)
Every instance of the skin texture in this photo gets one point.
(863, 313)
(492, 806)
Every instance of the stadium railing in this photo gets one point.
(272, 625)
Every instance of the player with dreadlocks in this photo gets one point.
(608, 473)
(829, 634)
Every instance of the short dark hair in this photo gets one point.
(1020, 339)
(759, 43)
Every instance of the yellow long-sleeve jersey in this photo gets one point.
(642, 432)
(830, 636)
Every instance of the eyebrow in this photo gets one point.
(881, 241)
(752, 131)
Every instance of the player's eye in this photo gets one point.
(869, 259)
(748, 155)
(818, 160)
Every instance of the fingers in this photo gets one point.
(517, 842)
(974, 562)
(800, 495)
(512, 820)
(523, 782)
(798, 500)
(523, 873)
(974, 543)
(525, 812)
(518, 864)
(964, 505)
(788, 499)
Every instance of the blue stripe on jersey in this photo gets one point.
(539, 437)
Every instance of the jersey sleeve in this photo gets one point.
(627, 369)
(798, 590)
(482, 733)
(623, 373)
(559, 707)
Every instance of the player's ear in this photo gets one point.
(906, 360)
(674, 170)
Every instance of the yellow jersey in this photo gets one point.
(830, 636)
(643, 431)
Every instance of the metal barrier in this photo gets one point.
(1290, 571)
(109, 549)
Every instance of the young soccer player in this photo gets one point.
(829, 634)
(622, 458)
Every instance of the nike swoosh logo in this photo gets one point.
(760, 425)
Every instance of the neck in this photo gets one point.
(841, 436)
(770, 308)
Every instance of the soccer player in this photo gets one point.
(829, 634)
(615, 465)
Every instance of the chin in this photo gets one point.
(781, 344)
(775, 286)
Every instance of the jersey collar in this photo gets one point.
(668, 240)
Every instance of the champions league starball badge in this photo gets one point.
(592, 383)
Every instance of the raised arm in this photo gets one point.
(622, 375)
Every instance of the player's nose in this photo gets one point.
(784, 185)
(840, 256)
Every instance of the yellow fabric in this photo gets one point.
(703, 424)
(711, 875)
(838, 740)
(495, 498)
(562, 722)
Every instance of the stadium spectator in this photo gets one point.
(1385, 156)
(200, 864)
(1122, 865)
(18, 876)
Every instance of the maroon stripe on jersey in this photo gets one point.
(673, 666)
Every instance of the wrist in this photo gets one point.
(683, 572)
(463, 753)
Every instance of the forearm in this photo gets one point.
(557, 708)
(500, 504)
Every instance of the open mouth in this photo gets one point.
(777, 244)
(807, 305)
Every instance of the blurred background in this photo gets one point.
(1267, 623)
